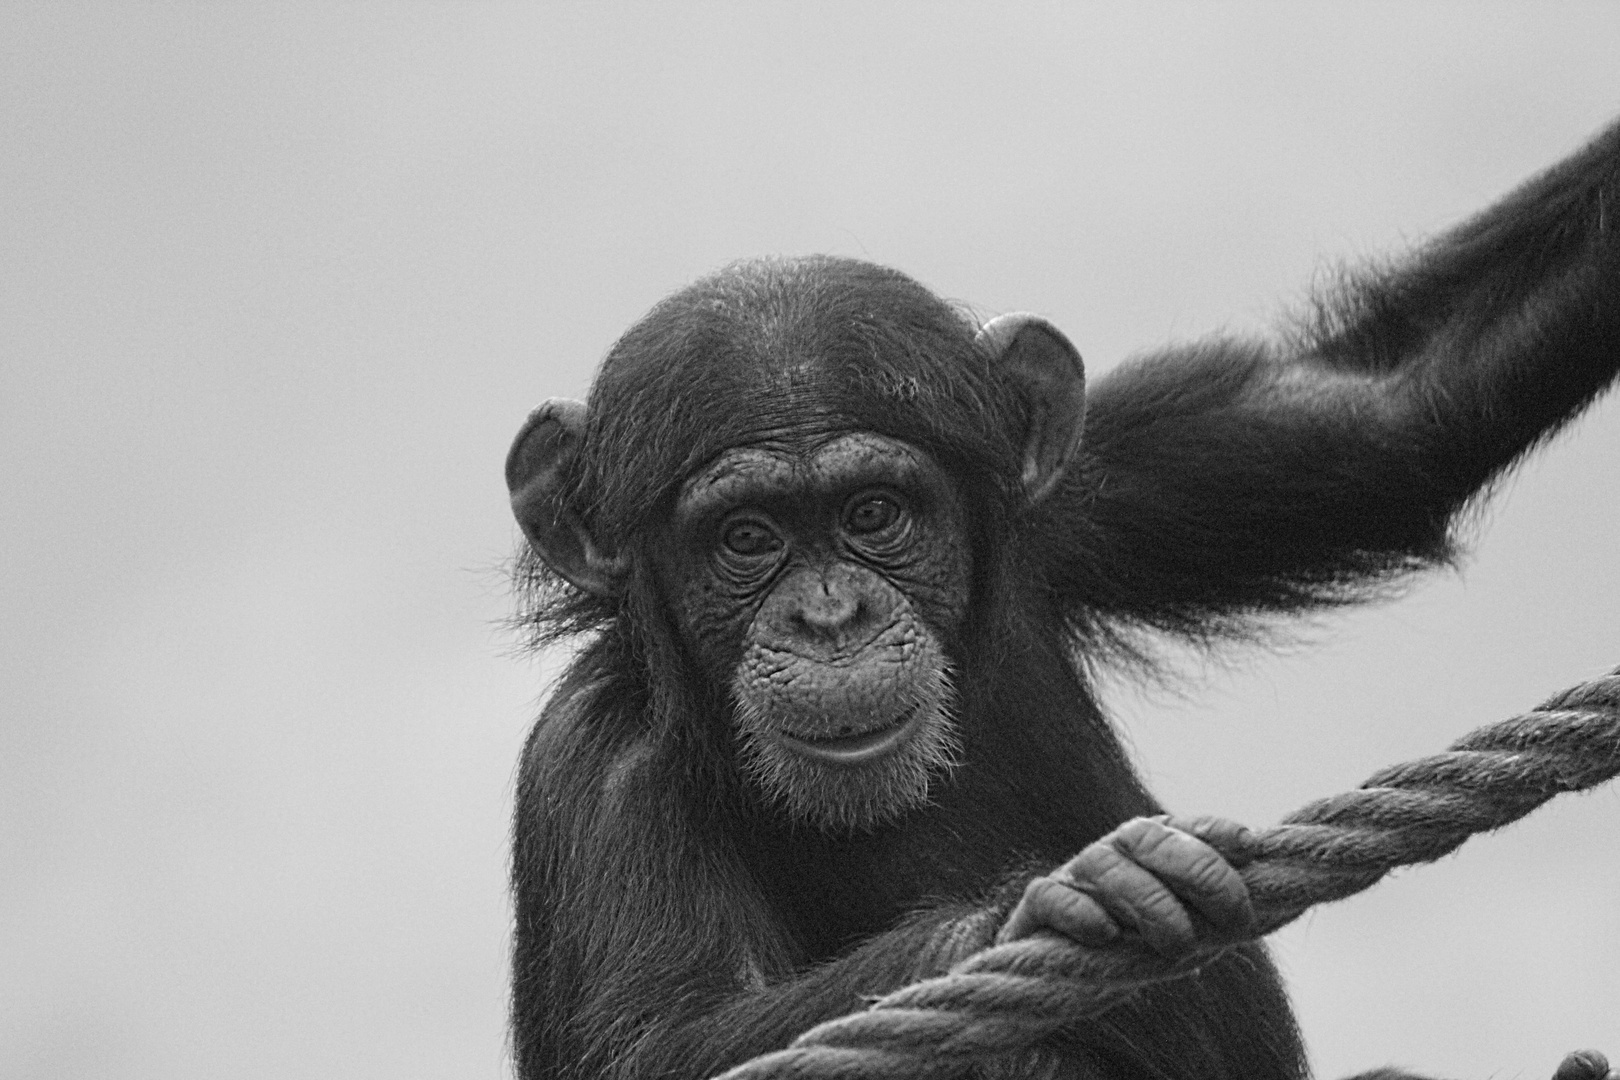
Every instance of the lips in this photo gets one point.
(855, 749)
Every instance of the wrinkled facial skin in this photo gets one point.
(816, 581)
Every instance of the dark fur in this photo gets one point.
(668, 926)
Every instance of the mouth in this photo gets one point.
(856, 749)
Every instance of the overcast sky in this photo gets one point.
(278, 283)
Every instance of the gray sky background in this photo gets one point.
(278, 283)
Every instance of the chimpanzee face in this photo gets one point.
(817, 581)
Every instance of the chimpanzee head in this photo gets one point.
(806, 463)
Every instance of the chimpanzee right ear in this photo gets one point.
(535, 470)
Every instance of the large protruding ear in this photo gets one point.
(1048, 372)
(535, 470)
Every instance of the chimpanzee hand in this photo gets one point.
(1153, 877)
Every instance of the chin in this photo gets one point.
(853, 783)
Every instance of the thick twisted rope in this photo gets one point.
(1008, 997)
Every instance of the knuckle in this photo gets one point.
(1235, 841)
(1115, 874)
(1092, 864)
(1206, 870)
(1039, 889)
(1165, 925)
(1139, 834)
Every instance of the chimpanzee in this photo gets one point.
(843, 561)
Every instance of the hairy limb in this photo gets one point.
(645, 946)
(1227, 478)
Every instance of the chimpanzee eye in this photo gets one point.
(750, 538)
(872, 515)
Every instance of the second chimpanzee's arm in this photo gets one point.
(1226, 478)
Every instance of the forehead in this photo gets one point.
(746, 472)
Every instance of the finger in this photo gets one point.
(1048, 904)
(1583, 1065)
(1234, 841)
(1191, 869)
(1133, 895)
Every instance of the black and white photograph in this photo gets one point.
(901, 541)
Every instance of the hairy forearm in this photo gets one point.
(710, 1031)
(1228, 478)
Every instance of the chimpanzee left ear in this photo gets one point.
(1049, 374)
(536, 466)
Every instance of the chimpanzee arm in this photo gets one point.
(645, 947)
(1228, 478)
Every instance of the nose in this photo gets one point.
(825, 611)
(828, 611)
